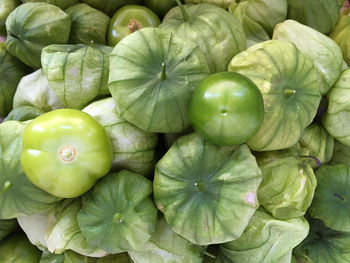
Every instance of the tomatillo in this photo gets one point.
(160, 7)
(65, 151)
(227, 108)
(129, 19)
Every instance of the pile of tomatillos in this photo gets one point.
(168, 131)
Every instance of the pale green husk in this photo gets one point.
(323, 51)
(207, 193)
(133, 149)
(290, 85)
(32, 26)
(77, 73)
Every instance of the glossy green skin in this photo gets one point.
(17, 249)
(18, 195)
(42, 160)
(227, 108)
(129, 19)
(160, 7)
(6, 7)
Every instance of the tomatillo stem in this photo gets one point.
(134, 25)
(163, 73)
(289, 92)
(184, 13)
(118, 218)
(7, 186)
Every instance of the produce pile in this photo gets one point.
(161, 131)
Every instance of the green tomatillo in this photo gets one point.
(65, 152)
(129, 19)
(227, 108)
(160, 7)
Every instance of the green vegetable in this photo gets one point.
(321, 15)
(176, 143)
(11, 72)
(133, 149)
(160, 7)
(331, 202)
(17, 249)
(265, 240)
(316, 142)
(341, 154)
(266, 13)
(57, 230)
(219, 34)
(35, 226)
(65, 152)
(290, 85)
(165, 246)
(206, 192)
(288, 185)
(155, 73)
(227, 108)
(63, 4)
(118, 214)
(47, 257)
(340, 34)
(33, 90)
(324, 245)
(221, 3)
(63, 233)
(341, 3)
(336, 119)
(129, 19)
(72, 257)
(31, 27)
(23, 113)
(324, 53)
(77, 73)
(254, 32)
(6, 227)
(109, 6)
(6, 7)
(89, 25)
(18, 196)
